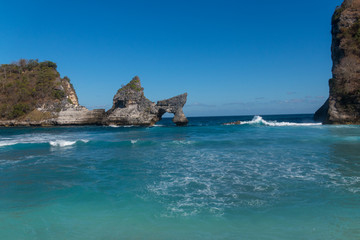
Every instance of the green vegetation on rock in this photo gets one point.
(26, 85)
(134, 85)
(37, 115)
(19, 110)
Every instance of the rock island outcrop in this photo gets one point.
(343, 104)
(32, 93)
(131, 107)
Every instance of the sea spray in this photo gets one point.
(65, 143)
(258, 120)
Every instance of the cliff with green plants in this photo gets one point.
(343, 105)
(32, 93)
(33, 90)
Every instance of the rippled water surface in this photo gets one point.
(284, 177)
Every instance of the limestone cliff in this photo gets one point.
(131, 107)
(70, 92)
(174, 105)
(343, 105)
(32, 93)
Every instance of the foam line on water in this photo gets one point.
(61, 143)
(65, 143)
(258, 120)
(121, 126)
(4, 144)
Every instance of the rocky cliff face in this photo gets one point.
(33, 94)
(174, 105)
(70, 92)
(131, 107)
(343, 105)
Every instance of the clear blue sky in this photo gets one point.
(232, 57)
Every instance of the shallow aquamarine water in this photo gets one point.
(204, 181)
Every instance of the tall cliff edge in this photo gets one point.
(343, 105)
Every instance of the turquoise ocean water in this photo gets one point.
(275, 177)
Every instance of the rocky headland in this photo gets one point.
(343, 104)
(32, 93)
(131, 107)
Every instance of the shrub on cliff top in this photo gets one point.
(134, 85)
(48, 64)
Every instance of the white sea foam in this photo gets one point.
(258, 120)
(118, 126)
(133, 141)
(57, 143)
(204, 182)
(183, 142)
(61, 143)
(65, 143)
(25, 139)
(8, 162)
(22, 141)
(5, 143)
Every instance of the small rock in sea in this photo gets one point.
(233, 123)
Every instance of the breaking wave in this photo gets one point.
(64, 143)
(120, 126)
(56, 143)
(258, 120)
(4, 144)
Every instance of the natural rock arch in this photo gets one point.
(174, 105)
(131, 107)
